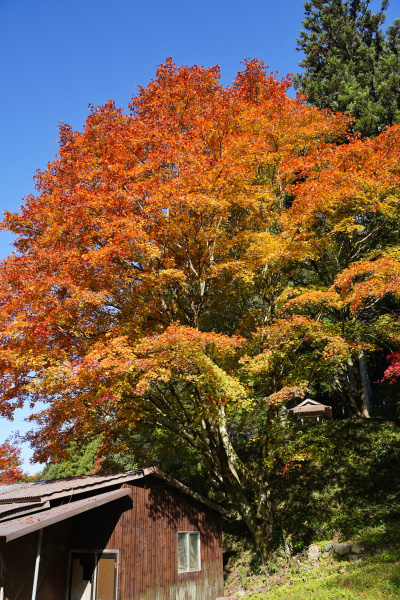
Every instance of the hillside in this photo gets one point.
(345, 488)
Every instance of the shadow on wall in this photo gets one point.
(165, 502)
(93, 529)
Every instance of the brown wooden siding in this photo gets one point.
(143, 530)
(146, 538)
(18, 563)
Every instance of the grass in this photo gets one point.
(346, 489)
(376, 577)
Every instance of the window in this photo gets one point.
(188, 551)
(93, 576)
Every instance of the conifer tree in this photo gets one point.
(350, 64)
(81, 461)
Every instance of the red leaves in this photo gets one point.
(107, 397)
(197, 213)
(10, 463)
(392, 373)
(287, 393)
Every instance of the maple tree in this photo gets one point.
(392, 373)
(193, 266)
(347, 213)
(10, 463)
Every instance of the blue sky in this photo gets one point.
(59, 56)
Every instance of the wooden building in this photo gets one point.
(139, 535)
(310, 410)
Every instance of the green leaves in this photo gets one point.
(350, 64)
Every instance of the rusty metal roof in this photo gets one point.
(19, 517)
(49, 489)
(8, 511)
(54, 489)
(18, 527)
(15, 507)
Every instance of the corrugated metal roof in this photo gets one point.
(8, 510)
(39, 491)
(10, 487)
(22, 526)
(16, 506)
(53, 489)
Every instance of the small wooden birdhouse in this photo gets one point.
(310, 410)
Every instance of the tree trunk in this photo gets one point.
(263, 524)
(249, 494)
(366, 384)
(353, 392)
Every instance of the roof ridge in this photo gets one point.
(51, 489)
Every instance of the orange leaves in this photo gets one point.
(158, 235)
(313, 301)
(198, 358)
(176, 334)
(287, 393)
(10, 463)
(365, 283)
(344, 188)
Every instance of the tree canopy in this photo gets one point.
(10, 463)
(197, 264)
(80, 462)
(350, 64)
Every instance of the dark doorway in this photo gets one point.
(93, 576)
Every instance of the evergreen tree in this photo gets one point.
(84, 461)
(350, 64)
(80, 462)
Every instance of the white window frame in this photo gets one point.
(188, 533)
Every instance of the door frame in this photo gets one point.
(96, 552)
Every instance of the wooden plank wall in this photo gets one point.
(143, 529)
(18, 564)
(145, 534)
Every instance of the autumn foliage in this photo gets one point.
(392, 373)
(196, 264)
(10, 463)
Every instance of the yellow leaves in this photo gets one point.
(192, 357)
(364, 283)
(264, 249)
(297, 352)
(208, 209)
(311, 300)
(168, 275)
(185, 352)
(344, 187)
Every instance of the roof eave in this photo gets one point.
(54, 515)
